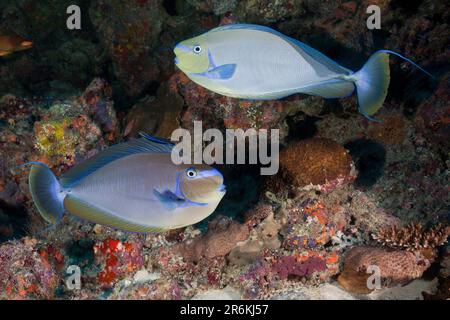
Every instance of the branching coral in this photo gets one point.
(413, 237)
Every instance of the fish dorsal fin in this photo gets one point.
(237, 26)
(145, 144)
(310, 52)
(319, 57)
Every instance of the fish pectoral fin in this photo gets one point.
(171, 201)
(222, 72)
(92, 213)
(335, 88)
(168, 199)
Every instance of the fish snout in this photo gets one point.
(179, 48)
(222, 188)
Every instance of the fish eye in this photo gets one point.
(197, 49)
(191, 173)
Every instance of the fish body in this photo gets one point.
(258, 63)
(132, 186)
(12, 43)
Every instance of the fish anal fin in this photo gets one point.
(91, 213)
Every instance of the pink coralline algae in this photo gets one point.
(25, 273)
(288, 266)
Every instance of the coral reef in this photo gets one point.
(222, 236)
(26, 272)
(433, 115)
(258, 213)
(68, 130)
(288, 266)
(158, 116)
(263, 238)
(117, 258)
(222, 112)
(343, 182)
(130, 34)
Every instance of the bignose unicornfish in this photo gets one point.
(132, 186)
(258, 63)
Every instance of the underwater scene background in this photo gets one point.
(351, 193)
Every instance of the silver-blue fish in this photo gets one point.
(258, 63)
(133, 186)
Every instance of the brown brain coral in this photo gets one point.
(315, 161)
(396, 267)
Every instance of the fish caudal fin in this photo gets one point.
(372, 82)
(46, 192)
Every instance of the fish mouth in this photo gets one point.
(222, 188)
(176, 60)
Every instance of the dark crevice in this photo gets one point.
(170, 7)
(13, 221)
(370, 159)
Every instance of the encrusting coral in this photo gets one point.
(222, 236)
(413, 236)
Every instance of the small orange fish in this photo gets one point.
(13, 43)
